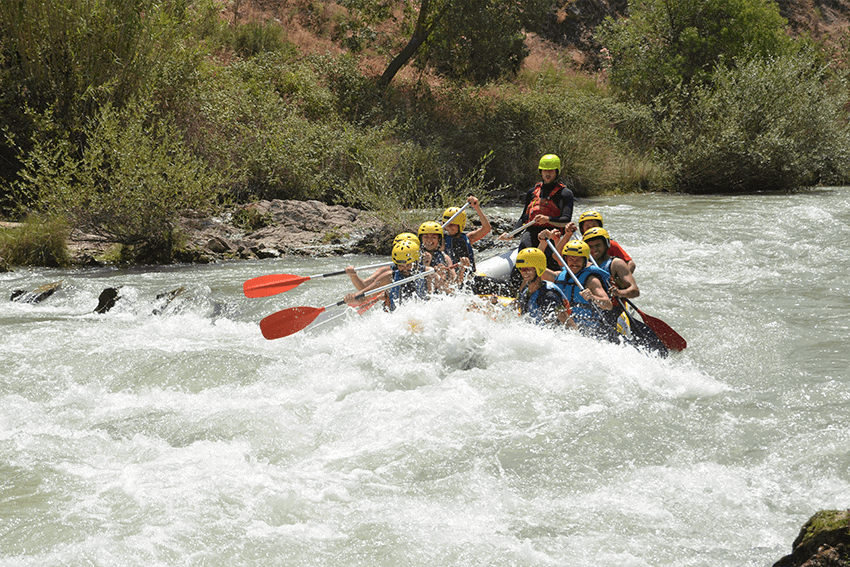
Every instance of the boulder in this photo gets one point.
(824, 541)
(37, 295)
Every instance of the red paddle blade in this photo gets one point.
(288, 322)
(272, 284)
(670, 338)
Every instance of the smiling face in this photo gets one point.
(430, 241)
(452, 229)
(529, 274)
(597, 248)
(576, 263)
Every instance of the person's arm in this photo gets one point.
(565, 204)
(381, 276)
(594, 291)
(482, 230)
(624, 282)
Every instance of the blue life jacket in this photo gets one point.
(459, 246)
(583, 313)
(542, 305)
(407, 290)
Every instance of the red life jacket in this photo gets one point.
(545, 206)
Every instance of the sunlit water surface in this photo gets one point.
(436, 435)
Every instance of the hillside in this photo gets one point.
(567, 38)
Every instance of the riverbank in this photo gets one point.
(272, 229)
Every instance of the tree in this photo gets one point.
(667, 43)
(471, 39)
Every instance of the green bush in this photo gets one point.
(767, 124)
(459, 50)
(39, 241)
(132, 181)
(664, 44)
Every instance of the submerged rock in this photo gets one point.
(37, 295)
(824, 541)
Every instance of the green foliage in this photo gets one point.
(377, 188)
(129, 185)
(767, 124)
(663, 44)
(39, 241)
(252, 38)
(70, 57)
(585, 130)
(477, 41)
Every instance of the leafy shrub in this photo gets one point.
(663, 44)
(252, 38)
(767, 124)
(132, 181)
(39, 241)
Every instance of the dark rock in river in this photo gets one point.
(106, 300)
(824, 541)
(37, 295)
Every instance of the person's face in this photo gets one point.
(404, 268)
(452, 229)
(548, 175)
(528, 274)
(588, 224)
(597, 248)
(430, 241)
(576, 263)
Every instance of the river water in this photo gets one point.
(437, 436)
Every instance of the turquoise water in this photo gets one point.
(437, 435)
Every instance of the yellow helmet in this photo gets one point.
(532, 258)
(597, 232)
(406, 252)
(459, 220)
(589, 215)
(549, 161)
(405, 236)
(430, 227)
(577, 248)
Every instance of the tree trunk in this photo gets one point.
(420, 35)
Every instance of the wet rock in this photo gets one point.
(164, 299)
(106, 300)
(824, 541)
(37, 295)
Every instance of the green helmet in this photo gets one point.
(532, 258)
(550, 161)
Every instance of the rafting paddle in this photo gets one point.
(665, 333)
(515, 231)
(290, 321)
(563, 262)
(669, 337)
(451, 218)
(272, 284)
